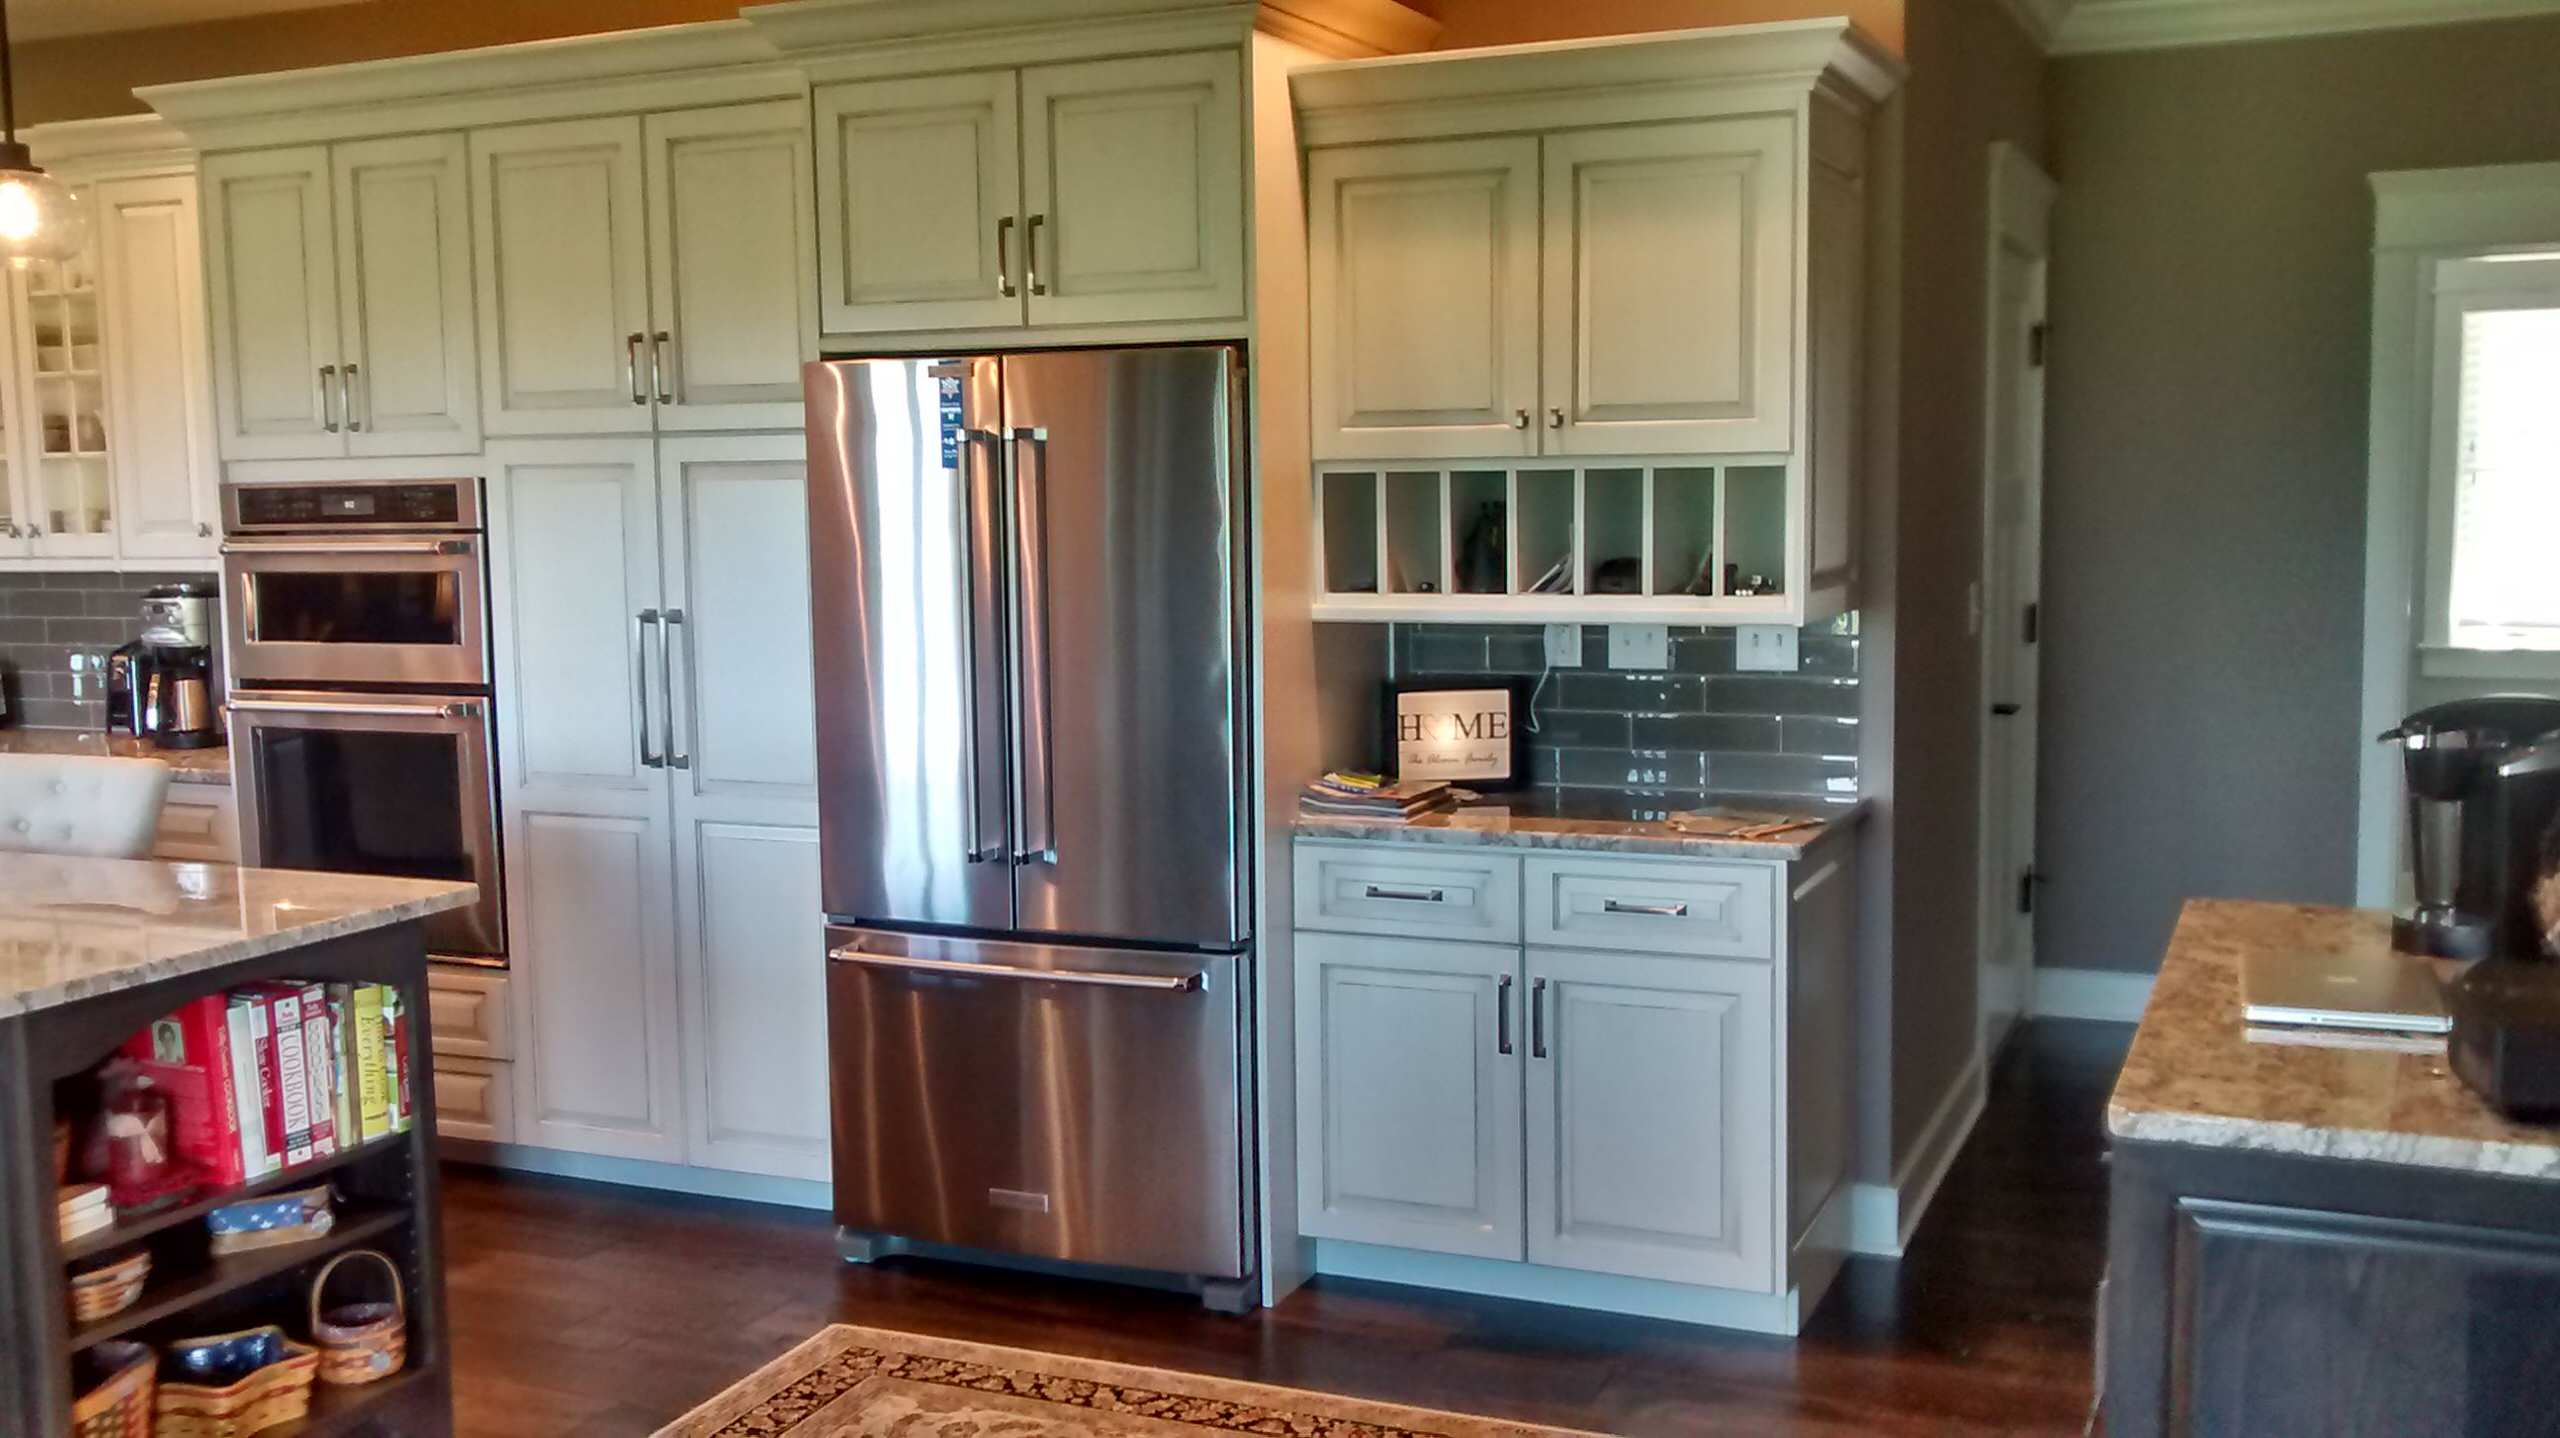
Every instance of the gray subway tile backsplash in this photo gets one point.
(1651, 741)
(47, 618)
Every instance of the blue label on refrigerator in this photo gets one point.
(950, 401)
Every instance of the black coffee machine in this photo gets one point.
(161, 687)
(2484, 845)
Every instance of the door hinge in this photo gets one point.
(2036, 338)
(2026, 891)
(2033, 626)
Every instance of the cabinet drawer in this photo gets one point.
(1677, 907)
(474, 1101)
(1409, 892)
(467, 1014)
(200, 830)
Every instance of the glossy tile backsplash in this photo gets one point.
(1643, 742)
(47, 618)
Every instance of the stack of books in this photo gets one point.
(1370, 796)
(275, 1075)
(84, 1210)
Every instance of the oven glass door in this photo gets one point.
(361, 784)
(356, 610)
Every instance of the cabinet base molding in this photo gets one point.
(1883, 1216)
(638, 1173)
(1778, 1313)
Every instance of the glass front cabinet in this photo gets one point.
(106, 451)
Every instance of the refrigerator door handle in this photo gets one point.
(1034, 793)
(981, 449)
(961, 968)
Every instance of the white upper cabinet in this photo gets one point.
(1423, 275)
(159, 394)
(404, 296)
(1132, 177)
(561, 236)
(918, 191)
(340, 298)
(272, 275)
(1670, 288)
(1100, 193)
(732, 236)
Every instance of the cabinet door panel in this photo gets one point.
(1423, 298)
(1408, 1110)
(1670, 288)
(732, 264)
(574, 559)
(590, 899)
(736, 521)
(404, 290)
(271, 266)
(914, 177)
(1652, 1136)
(1133, 184)
(159, 394)
(558, 229)
(753, 935)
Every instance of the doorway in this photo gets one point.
(2012, 570)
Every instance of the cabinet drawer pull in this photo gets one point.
(658, 367)
(1031, 254)
(1004, 257)
(1502, 1014)
(631, 365)
(1650, 911)
(1409, 896)
(329, 398)
(1537, 1018)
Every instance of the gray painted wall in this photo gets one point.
(2204, 542)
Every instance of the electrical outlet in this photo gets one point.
(1564, 646)
(1764, 648)
(1639, 646)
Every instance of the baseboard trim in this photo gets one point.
(2106, 994)
(1882, 1217)
(1778, 1313)
(639, 1173)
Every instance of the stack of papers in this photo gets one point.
(1370, 796)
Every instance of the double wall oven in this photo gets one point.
(356, 622)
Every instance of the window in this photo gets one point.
(2495, 457)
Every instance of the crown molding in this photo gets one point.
(1332, 27)
(2095, 28)
(2041, 19)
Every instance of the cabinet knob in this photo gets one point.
(1555, 418)
(1519, 419)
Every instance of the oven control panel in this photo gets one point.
(362, 504)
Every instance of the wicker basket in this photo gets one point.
(360, 1342)
(277, 1393)
(119, 1406)
(110, 1288)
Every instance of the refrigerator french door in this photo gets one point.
(1024, 572)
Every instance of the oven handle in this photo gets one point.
(453, 709)
(347, 546)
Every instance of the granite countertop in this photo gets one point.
(73, 928)
(2196, 1076)
(1524, 821)
(188, 766)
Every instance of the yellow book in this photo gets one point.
(373, 1088)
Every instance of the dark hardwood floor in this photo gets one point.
(582, 1309)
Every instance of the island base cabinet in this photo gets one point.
(1651, 1143)
(1409, 1093)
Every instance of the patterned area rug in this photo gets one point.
(852, 1382)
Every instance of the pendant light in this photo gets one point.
(39, 218)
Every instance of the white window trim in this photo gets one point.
(2421, 217)
(2460, 285)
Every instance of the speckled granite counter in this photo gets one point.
(73, 929)
(1530, 823)
(188, 766)
(2195, 1076)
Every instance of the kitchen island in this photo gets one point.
(2312, 1233)
(93, 951)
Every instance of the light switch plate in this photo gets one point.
(1639, 646)
(1764, 648)
(1564, 646)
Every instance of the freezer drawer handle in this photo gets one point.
(1160, 983)
(1650, 911)
(1409, 896)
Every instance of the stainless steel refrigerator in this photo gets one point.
(1030, 679)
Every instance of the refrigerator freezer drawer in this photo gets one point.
(1066, 1103)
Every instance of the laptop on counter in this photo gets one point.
(2376, 992)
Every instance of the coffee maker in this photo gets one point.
(160, 687)
(2484, 825)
